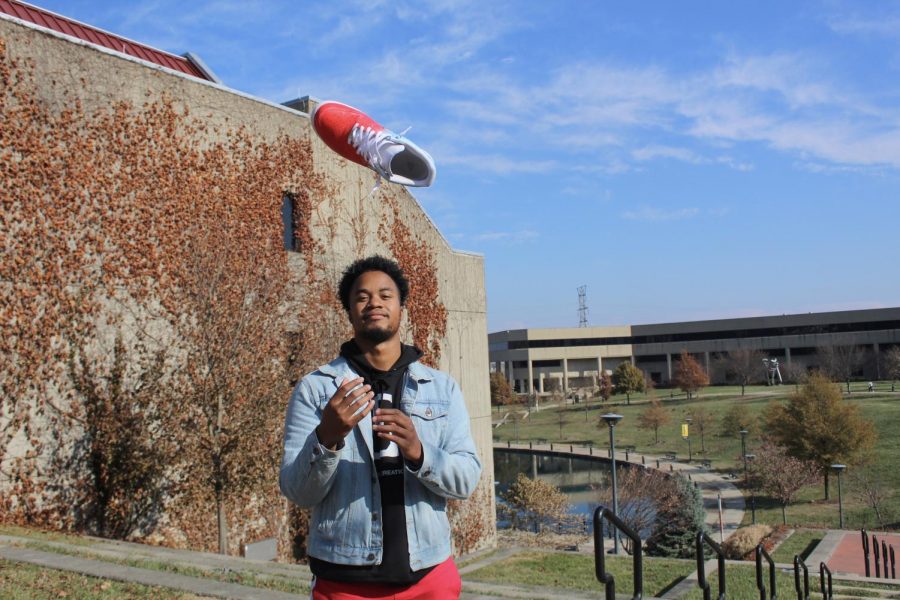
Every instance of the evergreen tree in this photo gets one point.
(677, 525)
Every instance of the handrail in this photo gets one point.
(702, 537)
(798, 564)
(760, 553)
(823, 568)
(877, 557)
(865, 543)
(603, 513)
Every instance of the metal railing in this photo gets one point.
(702, 538)
(826, 592)
(604, 514)
(885, 562)
(865, 545)
(802, 591)
(760, 554)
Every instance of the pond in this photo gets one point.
(580, 479)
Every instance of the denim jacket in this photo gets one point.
(341, 486)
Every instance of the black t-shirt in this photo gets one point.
(389, 466)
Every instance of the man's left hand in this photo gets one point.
(394, 425)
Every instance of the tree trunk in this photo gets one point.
(826, 484)
(742, 389)
(223, 524)
(783, 514)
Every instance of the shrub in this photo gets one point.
(744, 540)
(679, 523)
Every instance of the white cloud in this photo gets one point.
(888, 26)
(649, 213)
(522, 235)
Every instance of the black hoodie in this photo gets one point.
(394, 568)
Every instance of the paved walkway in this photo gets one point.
(842, 551)
(12, 549)
(712, 484)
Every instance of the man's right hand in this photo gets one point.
(342, 412)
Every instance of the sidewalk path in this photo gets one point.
(164, 579)
(711, 484)
(842, 551)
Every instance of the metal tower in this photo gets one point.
(582, 306)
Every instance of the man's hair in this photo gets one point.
(365, 265)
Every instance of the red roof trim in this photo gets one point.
(94, 35)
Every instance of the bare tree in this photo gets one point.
(703, 420)
(653, 417)
(780, 475)
(871, 490)
(841, 363)
(794, 372)
(229, 335)
(892, 365)
(643, 495)
(743, 366)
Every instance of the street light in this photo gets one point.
(611, 420)
(687, 430)
(744, 433)
(838, 469)
(752, 495)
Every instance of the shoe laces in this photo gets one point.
(370, 145)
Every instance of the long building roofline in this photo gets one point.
(715, 324)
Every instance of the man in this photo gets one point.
(378, 486)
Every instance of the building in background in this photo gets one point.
(544, 360)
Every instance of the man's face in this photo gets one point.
(375, 307)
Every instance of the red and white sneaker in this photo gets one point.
(355, 136)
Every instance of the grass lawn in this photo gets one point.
(576, 571)
(38, 540)
(802, 542)
(740, 582)
(19, 581)
(580, 424)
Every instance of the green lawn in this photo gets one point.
(580, 424)
(81, 547)
(802, 542)
(576, 571)
(740, 582)
(19, 581)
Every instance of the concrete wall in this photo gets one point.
(67, 69)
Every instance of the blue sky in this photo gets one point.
(684, 160)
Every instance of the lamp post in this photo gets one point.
(687, 430)
(752, 495)
(611, 420)
(744, 433)
(838, 468)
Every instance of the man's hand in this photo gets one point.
(342, 412)
(392, 424)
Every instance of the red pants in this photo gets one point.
(442, 583)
